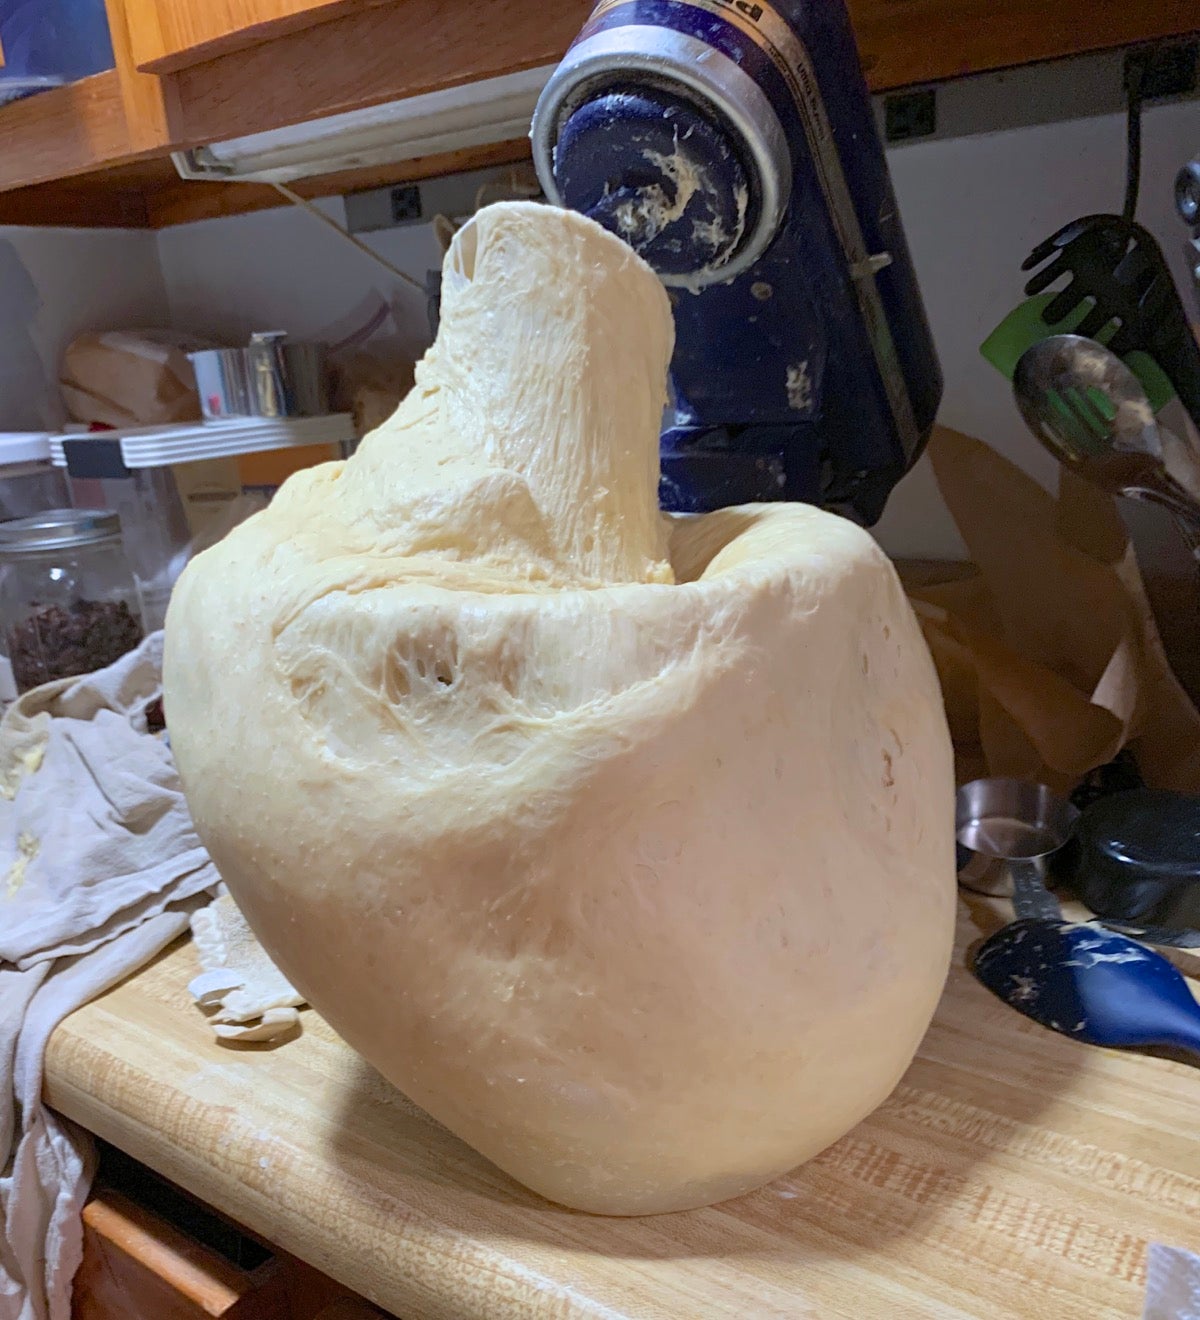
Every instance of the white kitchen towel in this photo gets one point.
(1172, 1284)
(99, 870)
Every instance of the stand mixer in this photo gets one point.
(732, 144)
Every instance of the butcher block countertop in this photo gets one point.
(1014, 1173)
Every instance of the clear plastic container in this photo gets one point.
(29, 483)
(148, 505)
(49, 42)
(68, 604)
(175, 487)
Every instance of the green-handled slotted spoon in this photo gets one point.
(1026, 325)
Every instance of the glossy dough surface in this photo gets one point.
(622, 845)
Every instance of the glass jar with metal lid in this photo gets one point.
(68, 604)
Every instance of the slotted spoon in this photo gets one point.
(1118, 269)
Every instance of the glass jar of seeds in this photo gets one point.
(68, 604)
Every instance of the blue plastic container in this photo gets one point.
(50, 42)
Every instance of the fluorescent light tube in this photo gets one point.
(470, 115)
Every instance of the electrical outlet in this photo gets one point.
(452, 195)
(406, 203)
(1164, 70)
(909, 115)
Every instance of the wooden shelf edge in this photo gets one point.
(90, 204)
(930, 41)
(161, 47)
(64, 132)
(150, 195)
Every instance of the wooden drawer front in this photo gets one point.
(136, 1266)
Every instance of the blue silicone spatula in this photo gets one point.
(1091, 984)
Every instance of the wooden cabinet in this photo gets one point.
(902, 41)
(190, 72)
(169, 34)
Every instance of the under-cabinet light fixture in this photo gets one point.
(471, 115)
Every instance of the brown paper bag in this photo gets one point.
(1049, 658)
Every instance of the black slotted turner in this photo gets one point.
(1119, 269)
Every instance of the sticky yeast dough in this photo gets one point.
(622, 845)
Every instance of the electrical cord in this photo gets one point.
(518, 184)
(318, 214)
(1133, 136)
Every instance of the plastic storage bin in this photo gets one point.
(49, 42)
(67, 598)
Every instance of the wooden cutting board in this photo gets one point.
(1013, 1175)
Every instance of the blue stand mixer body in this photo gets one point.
(732, 143)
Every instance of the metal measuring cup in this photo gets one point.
(1007, 831)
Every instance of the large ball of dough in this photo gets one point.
(623, 846)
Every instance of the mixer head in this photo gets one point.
(731, 143)
(677, 151)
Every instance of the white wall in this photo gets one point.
(284, 270)
(55, 283)
(973, 208)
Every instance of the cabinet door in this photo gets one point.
(170, 34)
